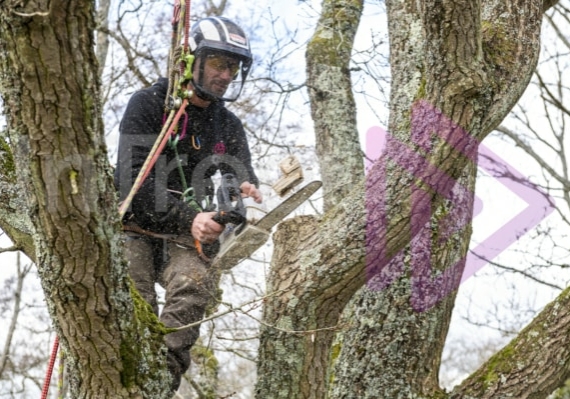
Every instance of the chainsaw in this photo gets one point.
(231, 210)
(230, 203)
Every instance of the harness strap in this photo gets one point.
(168, 237)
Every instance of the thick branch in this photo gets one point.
(510, 40)
(14, 216)
(531, 366)
(332, 103)
(548, 4)
(318, 266)
(102, 36)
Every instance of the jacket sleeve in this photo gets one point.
(238, 148)
(153, 207)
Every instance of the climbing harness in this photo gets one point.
(179, 74)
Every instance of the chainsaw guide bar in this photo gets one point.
(239, 242)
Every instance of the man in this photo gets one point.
(162, 223)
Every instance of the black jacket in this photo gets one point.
(158, 206)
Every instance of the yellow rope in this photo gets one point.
(61, 369)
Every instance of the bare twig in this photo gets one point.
(21, 275)
(29, 15)
(13, 248)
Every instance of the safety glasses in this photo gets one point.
(220, 63)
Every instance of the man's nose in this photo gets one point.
(226, 73)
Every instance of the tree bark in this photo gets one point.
(50, 89)
(396, 326)
(398, 355)
(304, 305)
(14, 218)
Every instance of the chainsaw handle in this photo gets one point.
(234, 216)
(219, 218)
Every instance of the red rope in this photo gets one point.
(51, 364)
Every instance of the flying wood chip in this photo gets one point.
(292, 175)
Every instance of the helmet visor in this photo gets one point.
(221, 75)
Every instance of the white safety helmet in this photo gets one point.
(218, 36)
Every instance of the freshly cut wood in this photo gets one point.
(292, 175)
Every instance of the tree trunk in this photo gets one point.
(454, 78)
(50, 88)
(533, 365)
(304, 305)
(398, 354)
(396, 329)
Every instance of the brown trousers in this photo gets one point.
(189, 288)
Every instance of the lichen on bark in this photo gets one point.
(137, 363)
(7, 162)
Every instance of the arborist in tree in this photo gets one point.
(170, 230)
